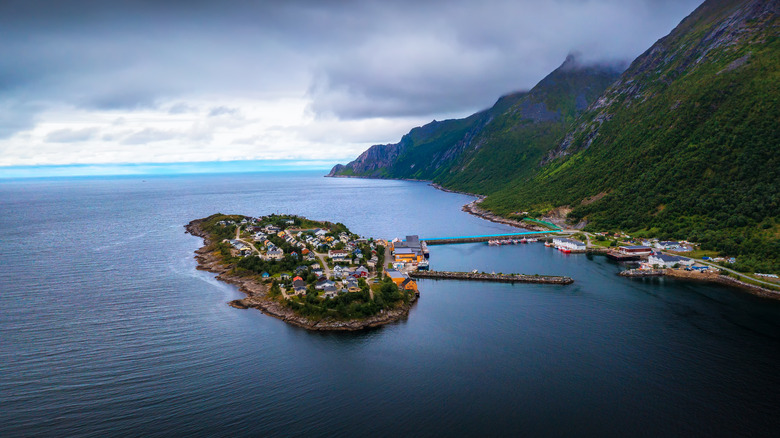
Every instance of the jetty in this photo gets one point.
(501, 278)
(482, 238)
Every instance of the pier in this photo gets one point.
(481, 238)
(501, 278)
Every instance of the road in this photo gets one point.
(325, 267)
(251, 245)
(740, 274)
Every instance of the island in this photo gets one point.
(313, 274)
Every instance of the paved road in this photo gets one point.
(251, 245)
(740, 274)
(325, 268)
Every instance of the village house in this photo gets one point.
(667, 245)
(668, 261)
(330, 292)
(338, 254)
(351, 285)
(275, 254)
(409, 285)
(299, 286)
(322, 283)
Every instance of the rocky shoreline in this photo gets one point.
(474, 209)
(703, 276)
(257, 298)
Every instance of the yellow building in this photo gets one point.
(396, 276)
(409, 284)
(407, 255)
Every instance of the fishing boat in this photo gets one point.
(547, 244)
(523, 240)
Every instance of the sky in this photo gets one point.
(303, 81)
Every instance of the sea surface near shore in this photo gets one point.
(108, 329)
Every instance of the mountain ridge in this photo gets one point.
(681, 145)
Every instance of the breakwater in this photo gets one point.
(502, 278)
(473, 239)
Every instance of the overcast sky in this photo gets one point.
(157, 82)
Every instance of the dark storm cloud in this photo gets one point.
(357, 59)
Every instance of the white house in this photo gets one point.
(275, 254)
(564, 243)
(668, 261)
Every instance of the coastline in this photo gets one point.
(473, 209)
(705, 277)
(256, 294)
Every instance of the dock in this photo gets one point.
(501, 278)
(482, 238)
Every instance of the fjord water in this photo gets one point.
(107, 329)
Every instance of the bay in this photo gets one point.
(107, 329)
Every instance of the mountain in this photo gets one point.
(684, 145)
(491, 147)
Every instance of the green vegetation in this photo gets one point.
(682, 146)
(351, 305)
(691, 155)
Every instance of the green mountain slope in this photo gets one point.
(684, 145)
(486, 150)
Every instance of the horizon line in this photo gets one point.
(169, 168)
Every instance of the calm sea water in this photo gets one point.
(107, 329)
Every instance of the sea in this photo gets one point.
(107, 328)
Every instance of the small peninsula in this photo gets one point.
(313, 274)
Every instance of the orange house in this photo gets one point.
(409, 284)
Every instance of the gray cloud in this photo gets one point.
(352, 59)
(148, 135)
(222, 111)
(71, 135)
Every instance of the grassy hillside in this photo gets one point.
(488, 149)
(684, 145)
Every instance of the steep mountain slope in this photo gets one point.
(685, 144)
(488, 149)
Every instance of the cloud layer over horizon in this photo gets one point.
(121, 82)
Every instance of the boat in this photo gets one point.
(532, 240)
(523, 240)
(547, 244)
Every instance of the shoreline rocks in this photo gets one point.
(703, 276)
